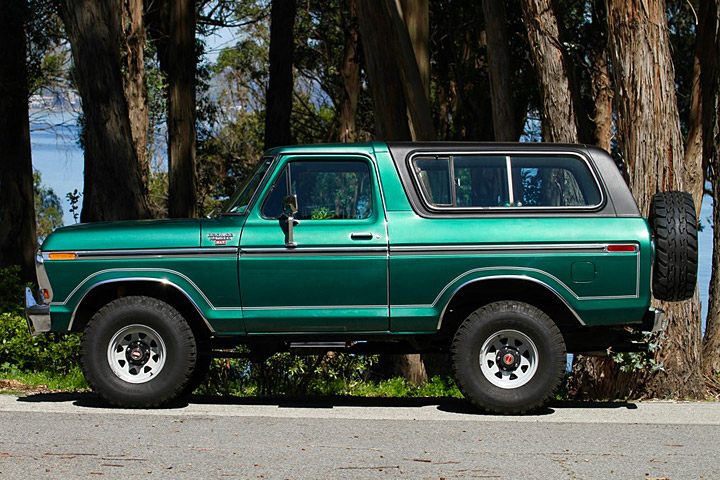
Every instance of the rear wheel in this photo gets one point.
(138, 352)
(508, 357)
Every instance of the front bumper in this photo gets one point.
(37, 316)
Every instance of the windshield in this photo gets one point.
(238, 203)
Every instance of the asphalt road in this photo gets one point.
(74, 435)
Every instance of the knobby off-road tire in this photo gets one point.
(673, 223)
(508, 357)
(200, 373)
(138, 352)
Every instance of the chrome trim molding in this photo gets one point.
(523, 269)
(313, 251)
(165, 270)
(138, 279)
(504, 153)
(498, 249)
(153, 253)
(510, 277)
(316, 307)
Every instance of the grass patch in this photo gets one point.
(23, 381)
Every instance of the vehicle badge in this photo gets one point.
(220, 238)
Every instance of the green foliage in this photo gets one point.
(322, 213)
(74, 199)
(19, 349)
(46, 56)
(331, 374)
(641, 361)
(48, 209)
(12, 290)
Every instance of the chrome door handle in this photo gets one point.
(361, 236)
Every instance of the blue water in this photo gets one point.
(56, 154)
(60, 161)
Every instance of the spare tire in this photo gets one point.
(673, 223)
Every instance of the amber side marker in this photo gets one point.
(62, 256)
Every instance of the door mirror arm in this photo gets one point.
(290, 208)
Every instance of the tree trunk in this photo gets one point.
(280, 87)
(600, 82)
(180, 68)
(416, 16)
(559, 117)
(17, 211)
(649, 129)
(113, 187)
(134, 83)
(498, 45)
(384, 81)
(350, 71)
(393, 74)
(710, 80)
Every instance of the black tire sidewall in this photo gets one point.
(466, 360)
(179, 354)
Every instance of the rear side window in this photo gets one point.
(504, 181)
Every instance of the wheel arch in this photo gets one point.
(104, 292)
(482, 291)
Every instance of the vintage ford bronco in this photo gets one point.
(505, 256)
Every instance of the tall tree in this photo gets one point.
(559, 111)
(393, 73)
(383, 77)
(134, 82)
(498, 55)
(350, 71)
(280, 86)
(600, 82)
(710, 80)
(652, 148)
(113, 187)
(17, 212)
(180, 68)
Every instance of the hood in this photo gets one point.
(168, 233)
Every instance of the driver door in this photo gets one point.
(334, 279)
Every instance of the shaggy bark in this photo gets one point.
(383, 76)
(17, 210)
(649, 129)
(280, 88)
(134, 83)
(113, 183)
(180, 68)
(350, 71)
(600, 81)
(503, 111)
(710, 79)
(559, 119)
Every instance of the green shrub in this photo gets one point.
(18, 349)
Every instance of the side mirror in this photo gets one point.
(290, 208)
(290, 205)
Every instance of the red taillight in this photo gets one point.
(621, 248)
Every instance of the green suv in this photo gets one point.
(505, 256)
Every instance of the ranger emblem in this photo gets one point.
(220, 238)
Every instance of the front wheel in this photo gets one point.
(138, 352)
(508, 357)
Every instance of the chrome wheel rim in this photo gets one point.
(508, 359)
(136, 354)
